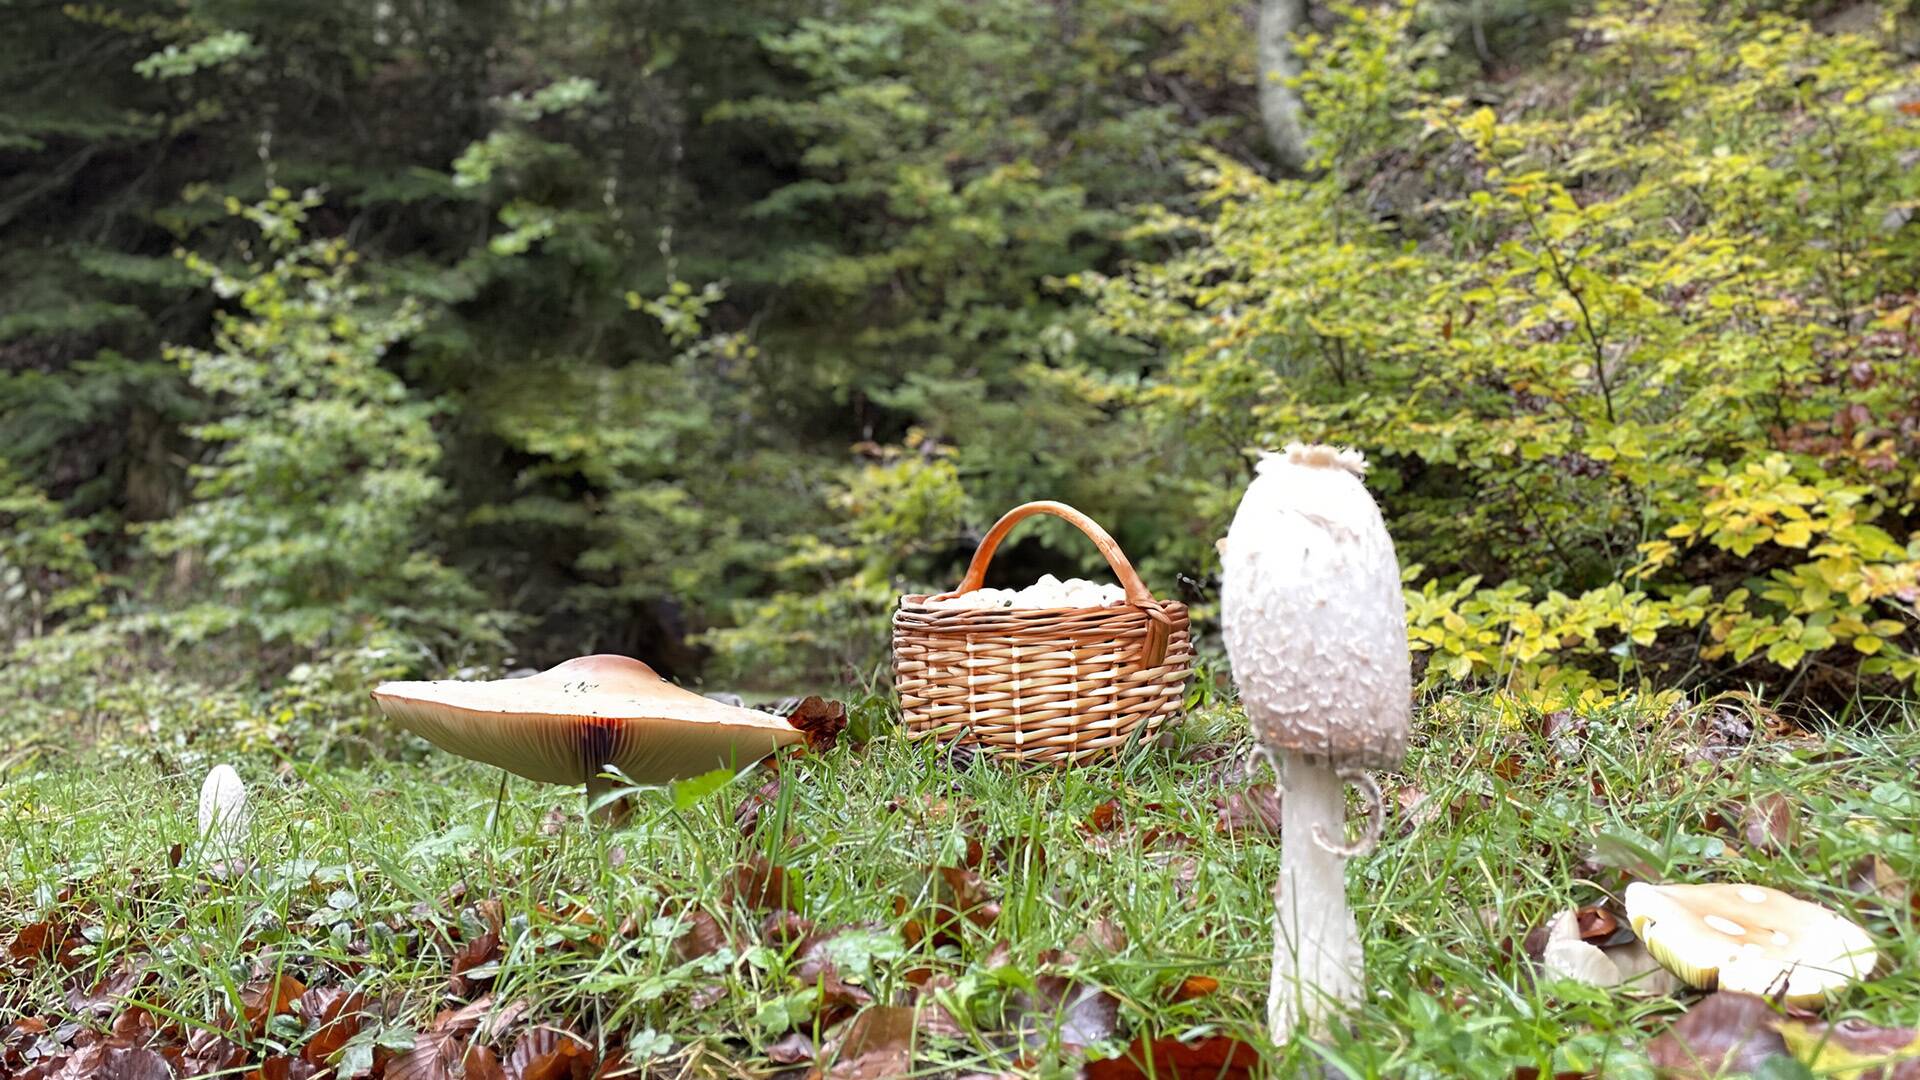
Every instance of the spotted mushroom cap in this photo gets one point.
(570, 722)
(1750, 939)
(1312, 613)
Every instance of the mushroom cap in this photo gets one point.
(572, 721)
(1312, 613)
(1751, 939)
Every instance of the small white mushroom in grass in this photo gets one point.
(1750, 939)
(223, 818)
(1315, 627)
(573, 722)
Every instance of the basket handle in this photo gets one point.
(1160, 624)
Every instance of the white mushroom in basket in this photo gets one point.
(570, 723)
(1750, 939)
(1315, 626)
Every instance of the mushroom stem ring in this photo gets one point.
(1376, 812)
(1369, 790)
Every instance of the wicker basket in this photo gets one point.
(1058, 685)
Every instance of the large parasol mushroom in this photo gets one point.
(571, 723)
(1315, 626)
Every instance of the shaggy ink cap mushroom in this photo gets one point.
(1751, 939)
(1315, 626)
(572, 722)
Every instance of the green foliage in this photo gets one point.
(307, 519)
(703, 331)
(47, 572)
(1639, 382)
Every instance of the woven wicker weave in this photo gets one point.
(1058, 685)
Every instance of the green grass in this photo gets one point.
(370, 877)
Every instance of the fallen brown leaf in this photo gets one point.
(702, 936)
(262, 1001)
(746, 816)
(474, 953)
(1724, 1032)
(821, 721)
(1080, 1013)
(878, 1045)
(761, 886)
(1195, 986)
(1768, 823)
(335, 1017)
(546, 1053)
(1217, 1057)
(964, 896)
(1105, 818)
(1253, 812)
(792, 1049)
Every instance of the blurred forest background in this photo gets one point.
(340, 341)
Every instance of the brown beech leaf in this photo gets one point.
(1195, 986)
(131, 1063)
(1104, 819)
(479, 1063)
(262, 1001)
(1254, 812)
(339, 1015)
(758, 885)
(430, 1059)
(1600, 927)
(545, 1053)
(931, 1017)
(838, 999)
(821, 721)
(473, 954)
(878, 1045)
(1768, 823)
(1101, 935)
(746, 816)
(1080, 1013)
(784, 928)
(702, 936)
(1873, 876)
(963, 895)
(1217, 1057)
(1723, 1033)
(282, 1067)
(106, 995)
(793, 1049)
(208, 1051)
(36, 940)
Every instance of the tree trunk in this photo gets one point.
(1280, 110)
(1317, 963)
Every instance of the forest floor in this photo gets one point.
(881, 909)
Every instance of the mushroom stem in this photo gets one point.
(1317, 965)
(610, 814)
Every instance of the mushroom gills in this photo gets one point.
(1750, 939)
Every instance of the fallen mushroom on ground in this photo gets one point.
(1619, 961)
(1315, 626)
(573, 722)
(1750, 939)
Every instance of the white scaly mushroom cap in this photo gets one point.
(1312, 613)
